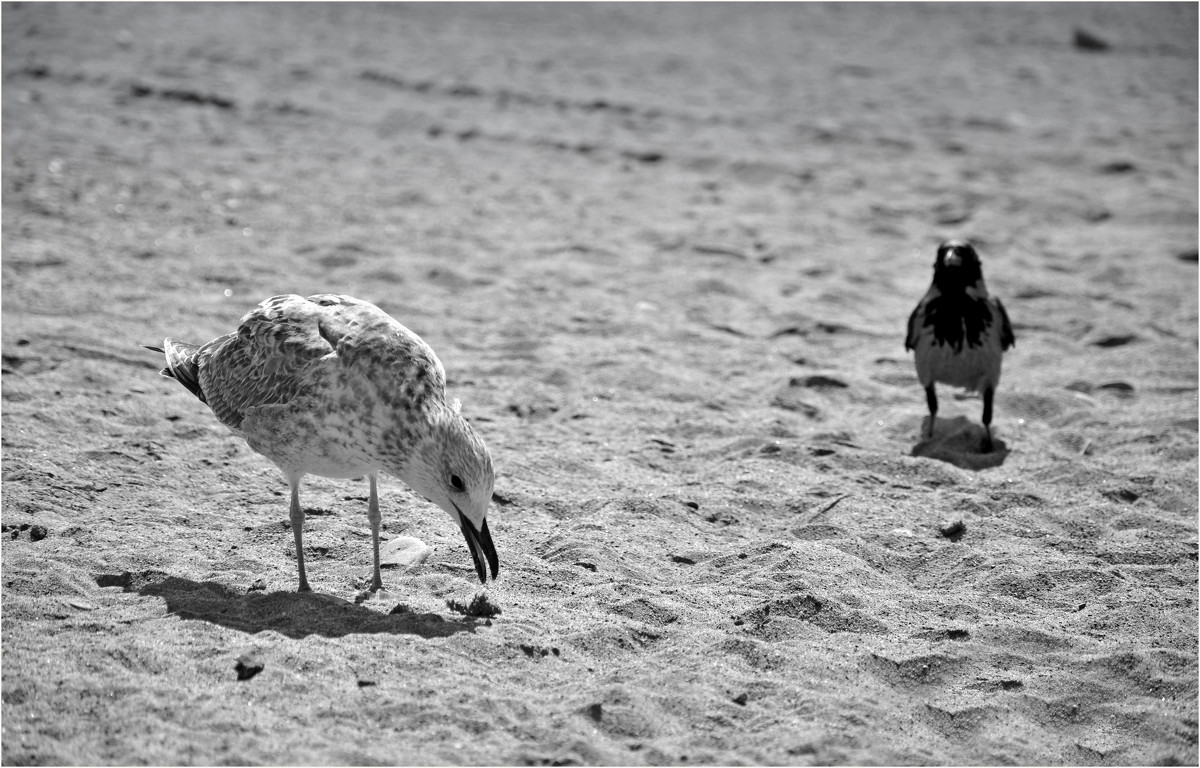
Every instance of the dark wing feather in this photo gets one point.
(1007, 338)
(182, 365)
(910, 342)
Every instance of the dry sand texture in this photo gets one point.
(666, 254)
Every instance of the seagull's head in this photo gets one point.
(957, 267)
(451, 467)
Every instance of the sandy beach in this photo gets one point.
(666, 254)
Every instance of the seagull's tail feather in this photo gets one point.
(182, 365)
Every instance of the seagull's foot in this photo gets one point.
(371, 594)
(369, 587)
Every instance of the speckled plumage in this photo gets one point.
(333, 386)
(958, 332)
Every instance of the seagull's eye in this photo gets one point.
(456, 483)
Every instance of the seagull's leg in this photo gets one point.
(987, 419)
(297, 517)
(931, 399)
(374, 517)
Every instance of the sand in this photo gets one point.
(666, 255)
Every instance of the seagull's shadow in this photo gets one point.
(958, 441)
(295, 614)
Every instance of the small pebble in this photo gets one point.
(1119, 388)
(248, 667)
(1088, 41)
(1118, 166)
(954, 531)
(818, 382)
(1115, 340)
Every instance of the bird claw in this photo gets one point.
(372, 593)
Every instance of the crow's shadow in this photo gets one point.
(294, 614)
(958, 441)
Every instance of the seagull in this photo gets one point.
(333, 386)
(959, 332)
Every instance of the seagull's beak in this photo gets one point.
(481, 546)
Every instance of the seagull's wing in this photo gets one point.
(374, 345)
(269, 360)
(283, 347)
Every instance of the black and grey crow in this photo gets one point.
(959, 332)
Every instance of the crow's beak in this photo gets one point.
(481, 546)
(953, 259)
